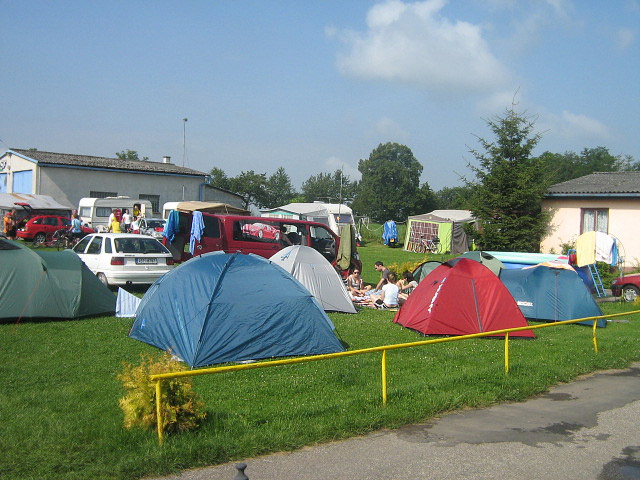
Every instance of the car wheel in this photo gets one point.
(103, 278)
(39, 238)
(630, 293)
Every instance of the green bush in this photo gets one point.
(181, 411)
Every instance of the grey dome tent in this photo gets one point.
(311, 269)
(37, 284)
(221, 307)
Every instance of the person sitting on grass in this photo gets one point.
(388, 298)
(355, 284)
(406, 285)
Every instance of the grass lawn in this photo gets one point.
(59, 414)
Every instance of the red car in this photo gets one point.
(261, 230)
(627, 286)
(41, 227)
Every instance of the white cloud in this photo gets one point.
(334, 163)
(390, 129)
(625, 37)
(572, 127)
(413, 43)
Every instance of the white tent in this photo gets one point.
(311, 269)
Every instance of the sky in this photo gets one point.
(315, 86)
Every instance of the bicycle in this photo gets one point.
(431, 245)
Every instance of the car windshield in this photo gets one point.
(139, 245)
(155, 223)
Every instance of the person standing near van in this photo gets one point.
(126, 221)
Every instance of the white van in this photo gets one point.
(95, 212)
(333, 215)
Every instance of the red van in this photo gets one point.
(260, 235)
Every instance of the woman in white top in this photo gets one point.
(389, 296)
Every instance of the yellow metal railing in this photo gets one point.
(158, 378)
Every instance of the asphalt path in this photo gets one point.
(587, 429)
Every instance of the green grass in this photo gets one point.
(59, 414)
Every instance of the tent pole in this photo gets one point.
(384, 377)
(506, 352)
(159, 409)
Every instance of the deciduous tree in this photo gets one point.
(330, 188)
(390, 185)
(130, 155)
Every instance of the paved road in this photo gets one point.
(588, 429)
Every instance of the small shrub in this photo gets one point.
(181, 411)
(399, 268)
(566, 246)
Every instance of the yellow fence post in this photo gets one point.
(506, 352)
(595, 339)
(159, 409)
(384, 377)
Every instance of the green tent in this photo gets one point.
(35, 284)
(489, 261)
(446, 225)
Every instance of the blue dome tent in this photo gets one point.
(231, 307)
(551, 294)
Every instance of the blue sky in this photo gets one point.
(316, 86)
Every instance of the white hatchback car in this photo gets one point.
(124, 258)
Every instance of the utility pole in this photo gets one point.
(184, 140)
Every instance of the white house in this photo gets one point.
(607, 202)
(69, 177)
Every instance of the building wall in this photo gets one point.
(14, 165)
(564, 226)
(212, 194)
(69, 185)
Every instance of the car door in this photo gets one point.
(323, 240)
(210, 239)
(93, 253)
(50, 225)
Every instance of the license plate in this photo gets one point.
(146, 261)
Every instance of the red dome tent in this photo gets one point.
(461, 297)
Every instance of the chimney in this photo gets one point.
(166, 159)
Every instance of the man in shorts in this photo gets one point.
(10, 224)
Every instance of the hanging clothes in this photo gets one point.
(586, 249)
(197, 228)
(172, 226)
(604, 248)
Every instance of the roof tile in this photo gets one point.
(103, 162)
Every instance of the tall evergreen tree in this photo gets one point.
(509, 186)
(280, 190)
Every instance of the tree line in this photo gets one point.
(504, 192)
